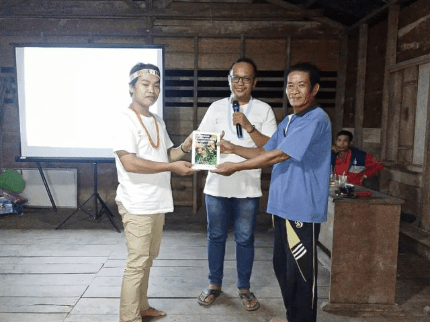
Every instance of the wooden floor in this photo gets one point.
(74, 274)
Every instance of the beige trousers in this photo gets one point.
(143, 234)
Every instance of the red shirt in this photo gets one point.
(372, 165)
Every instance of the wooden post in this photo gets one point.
(394, 108)
(287, 67)
(242, 46)
(425, 209)
(151, 20)
(3, 85)
(340, 85)
(196, 188)
(361, 86)
(390, 59)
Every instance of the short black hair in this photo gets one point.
(140, 66)
(312, 70)
(245, 60)
(347, 133)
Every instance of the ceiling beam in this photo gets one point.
(369, 16)
(133, 4)
(309, 3)
(162, 4)
(323, 20)
(178, 11)
(285, 5)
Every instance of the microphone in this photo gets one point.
(238, 126)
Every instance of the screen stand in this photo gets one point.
(97, 214)
(45, 183)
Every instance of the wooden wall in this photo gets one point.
(199, 37)
(395, 122)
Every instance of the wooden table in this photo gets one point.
(361, 236)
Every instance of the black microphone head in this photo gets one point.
(236, 105)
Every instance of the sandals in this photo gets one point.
(206, 293)
(248, 297)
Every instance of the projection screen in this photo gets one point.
(70, 95)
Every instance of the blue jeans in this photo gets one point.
(242, 213)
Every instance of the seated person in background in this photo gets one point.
(356, 164)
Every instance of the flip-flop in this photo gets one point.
(206, 293)
(249, 296)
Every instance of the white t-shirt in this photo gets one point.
(219, 117)
(142, 194)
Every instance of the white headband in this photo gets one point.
(143, 72)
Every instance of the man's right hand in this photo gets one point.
(183, 168)
(226, 147)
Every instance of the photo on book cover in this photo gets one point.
(205, 152)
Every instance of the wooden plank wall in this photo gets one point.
(199, 53)
(215, 57)
(396, 102)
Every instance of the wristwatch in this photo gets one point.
(253, 129)
(182, 148)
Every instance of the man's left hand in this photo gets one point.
(225, 169)
(240, 118)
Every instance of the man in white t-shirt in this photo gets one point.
(236, 198)
(144, 159)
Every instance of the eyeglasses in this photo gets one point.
(245, 79)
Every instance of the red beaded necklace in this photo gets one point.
(155, 146)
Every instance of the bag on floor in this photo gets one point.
(16, 198)
(7, 207)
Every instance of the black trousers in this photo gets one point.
(295, 265)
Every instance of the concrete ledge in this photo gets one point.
(418, 239)
(392, 310)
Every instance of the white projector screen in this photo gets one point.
(70, 96)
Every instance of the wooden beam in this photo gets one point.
(361, 86)
(260, 11)
(395, 99)
(323, 20)
(162, 4)
(425, 208)
(233, 28)
(309, 3)
(329, 22)
(369, 16)
(340, 85)
(242, 45)
(390, 59)
(376, 12)
(196, 187)
(175, 10)
(286, 68)
(133, 4)
(409, 63)
(218, 1)
(285, 5)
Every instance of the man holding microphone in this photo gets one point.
(236, 198)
